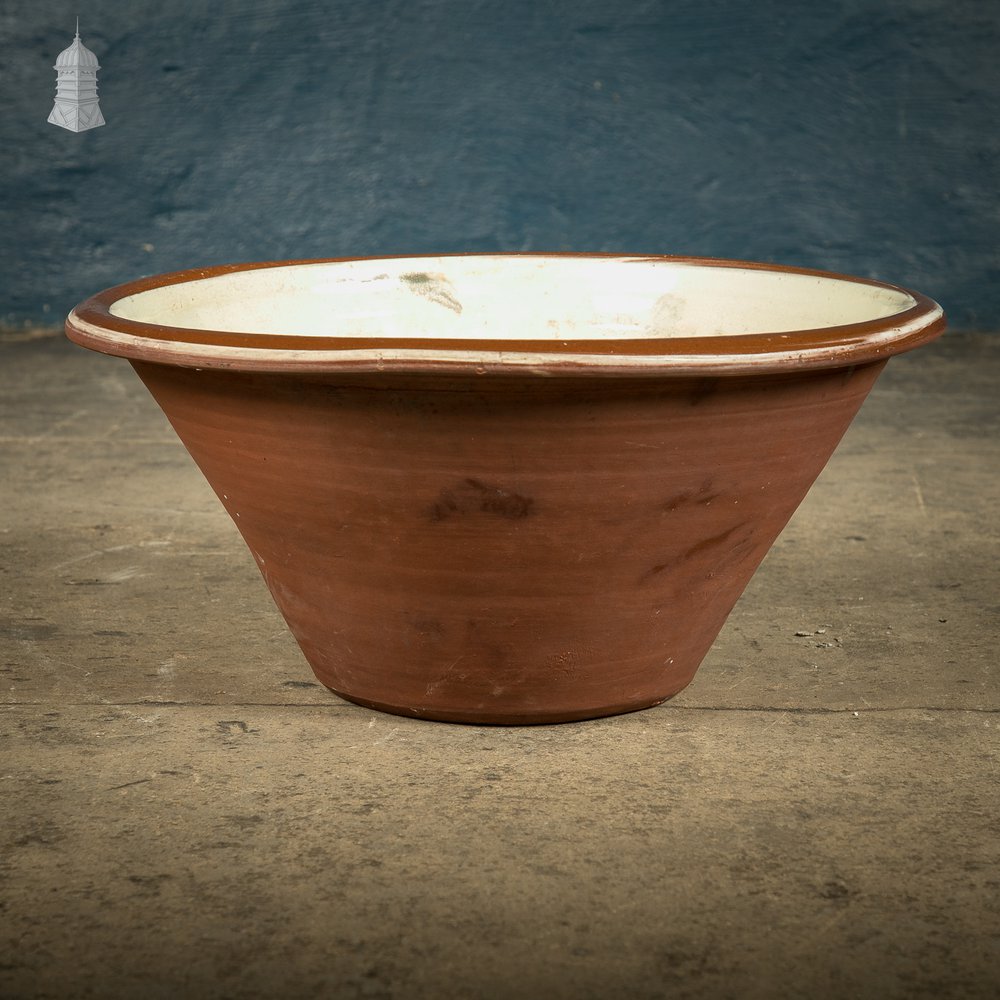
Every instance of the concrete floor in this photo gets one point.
(186, 813)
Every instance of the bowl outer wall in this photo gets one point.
(492, 549)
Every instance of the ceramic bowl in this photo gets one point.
(507, 488)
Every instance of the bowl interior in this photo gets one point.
(513, 297)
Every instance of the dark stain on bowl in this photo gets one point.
(472, 496)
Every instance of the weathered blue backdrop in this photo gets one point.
(857, 135)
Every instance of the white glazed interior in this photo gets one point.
(512, 298)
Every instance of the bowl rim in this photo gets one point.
(92, 324)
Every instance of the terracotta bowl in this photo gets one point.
(507, 488)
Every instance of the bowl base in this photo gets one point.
(484, 717)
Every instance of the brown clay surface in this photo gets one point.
(507, 550)
(187, 812)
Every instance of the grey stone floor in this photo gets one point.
(186, 813)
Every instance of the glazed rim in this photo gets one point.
(548, 314)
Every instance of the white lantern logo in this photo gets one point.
(76, 106)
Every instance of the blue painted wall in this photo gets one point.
(856, 135)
